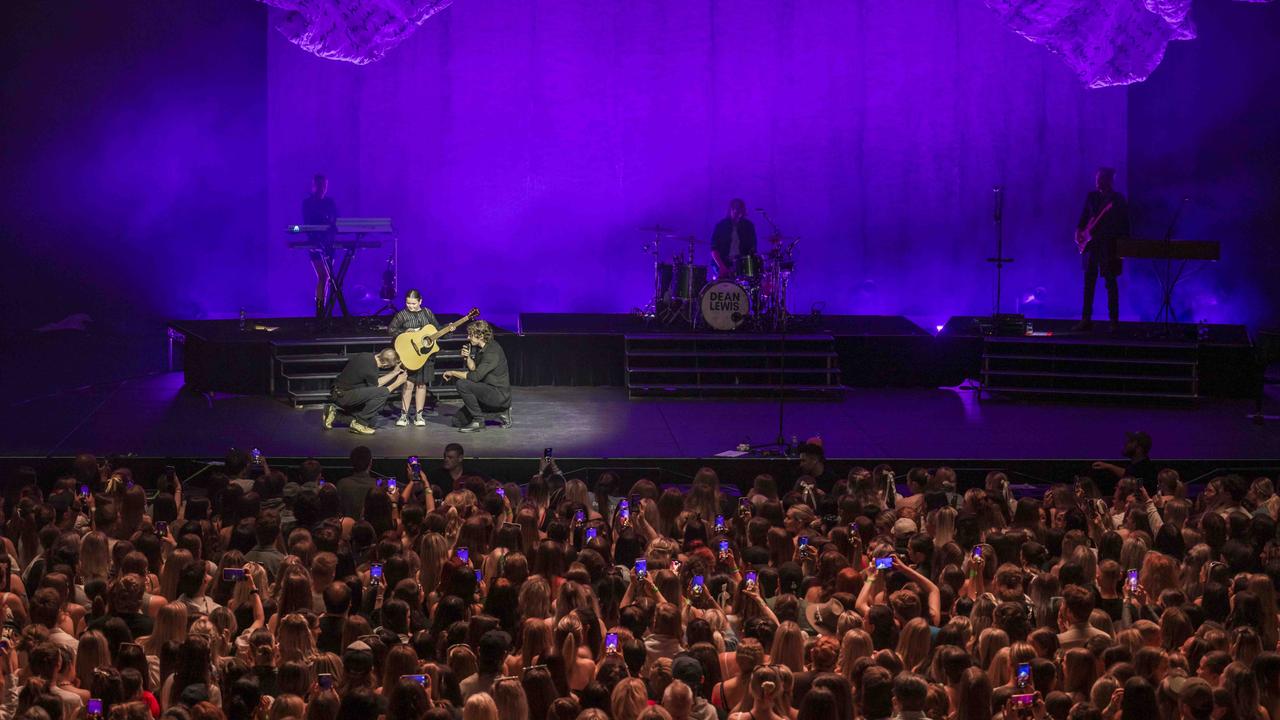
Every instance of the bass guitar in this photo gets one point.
(416, 347)
(1085, 236)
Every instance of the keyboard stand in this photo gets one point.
(335, 283)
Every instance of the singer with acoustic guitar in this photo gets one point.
(1103, 221)
(414, 317)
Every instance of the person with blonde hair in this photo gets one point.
(91, 653)
(788, 647)
(678, 700)
(534, 645)
(990, 642)
(629, 699)
(297, 643)
(170, 626)
(914, 644)
(764, 699)
(509, 696)
(480, 706)
(95, 557)
(173, 566)
(944, 525)
(856, 644)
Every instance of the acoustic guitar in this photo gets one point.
(1085, 236)
(416, 347)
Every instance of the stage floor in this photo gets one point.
(154, 417)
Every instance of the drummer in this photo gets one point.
(734, 236)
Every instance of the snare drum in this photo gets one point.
(747, 267)
(725, 305)
(690, 279)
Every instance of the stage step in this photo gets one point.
(739, 391)
(736, 370)
(692, 352)
(1095, 394)
(303, 371)
(731, 364)
(1063, 366)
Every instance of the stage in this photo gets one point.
(905, 398)
(295, 359)
(154, 417)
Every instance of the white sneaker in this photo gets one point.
(419, 421)
(403, 421)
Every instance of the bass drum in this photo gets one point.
(724, 305)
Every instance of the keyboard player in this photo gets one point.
(319, 209)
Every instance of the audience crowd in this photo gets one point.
(254, 594)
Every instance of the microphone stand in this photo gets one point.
(1168, 279)
(780, 324)
(1000, 260)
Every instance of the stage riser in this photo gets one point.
(728, 365)
(1088, 368)
(304, 373)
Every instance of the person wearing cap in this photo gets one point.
(688, 670)
(1137, 448)
(904, 528)
(1195, 701)
(357, 664)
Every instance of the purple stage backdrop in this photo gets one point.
(518, 148)
(155, 151)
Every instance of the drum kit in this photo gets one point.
(752, 296)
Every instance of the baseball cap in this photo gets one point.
(687, 669)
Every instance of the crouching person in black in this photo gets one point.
(363, 387)
(485, 386)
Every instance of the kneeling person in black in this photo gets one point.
(363, 387)
(485, 385)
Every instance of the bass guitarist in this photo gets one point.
(413, 317)
(1103, 221)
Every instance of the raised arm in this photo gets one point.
(935, 598)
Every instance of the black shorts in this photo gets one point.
(424, 374)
